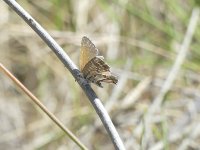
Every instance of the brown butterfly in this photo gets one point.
(92, 66)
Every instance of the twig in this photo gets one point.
(37, 102)
(117, 142)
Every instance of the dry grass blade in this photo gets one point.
(43, 108)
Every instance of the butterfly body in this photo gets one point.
(92, 66)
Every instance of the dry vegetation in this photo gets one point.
(141, 40)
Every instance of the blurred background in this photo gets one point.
(140, 40)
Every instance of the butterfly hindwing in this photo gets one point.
(97, 71)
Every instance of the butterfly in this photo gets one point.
(92, 66)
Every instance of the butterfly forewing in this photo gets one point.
(92, 66)
(88, 51)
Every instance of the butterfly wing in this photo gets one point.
(88, 51)
(97, 71)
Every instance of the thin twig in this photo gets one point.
(37, 102)
(117, 142)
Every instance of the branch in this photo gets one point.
(118, 144)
